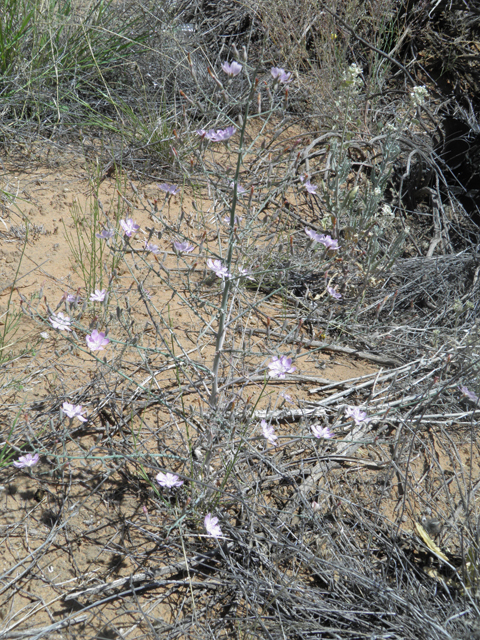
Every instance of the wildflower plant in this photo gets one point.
(278, 367)
(96, 341)
(321, 432)
(60, 321)
(27, 461)
(231, 68)
(269, 433)
(203, 398)
(168, 480)
(355, 201)
(212, 526)
(94, 236)
(74, 411)
(358, 416)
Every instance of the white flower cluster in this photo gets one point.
(418, 96)
(387, 210)
(351, 75)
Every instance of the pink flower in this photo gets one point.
(168, 480)
(129, 227)
(469, 394)
(217, 266)
(27, 460)
(238, 220)
(106, 234)
(286, 397)
(321, 432)
(315, 507)
(280, 366)
(316, 237)
(60, 321)
(281, 75)
(357, 414)
(223, 134)
(232, 69)
(99, 295)
(97, 341)
(240, 190)
(217, 136)
(332, 245)
(331, 291)
(310, 187)
(171, 189)
(245, 273)
(269, 432)
(212, 526)
(74, 411)
(71, 298)
(183, 247)
(151, 247)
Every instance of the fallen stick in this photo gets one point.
(150, 575)
(327, 346)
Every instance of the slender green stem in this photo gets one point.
(222, 317)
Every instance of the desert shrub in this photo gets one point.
(349, 511)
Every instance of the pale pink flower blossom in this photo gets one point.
(469, 394)
(106, 234)
(316, 237)
(152, 248)
(60, 321)
(74, 411)
(311, 188)
(332, 245)
(171, 189)
(331, 291)
(99, 295)
(71, 298)
(220, 135)
(217, 266)
(245, 273)
(278, 73)
(240, 190)
(129, 227)
(232, 69)
(212, 526)
(280, 366)
(286, 397)
(96, 341)
(168, 480)
(238, 220)
(321, 432)
(357, 415)
(183, 247)
(269, 432)
(315, 507)
(28, 460)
